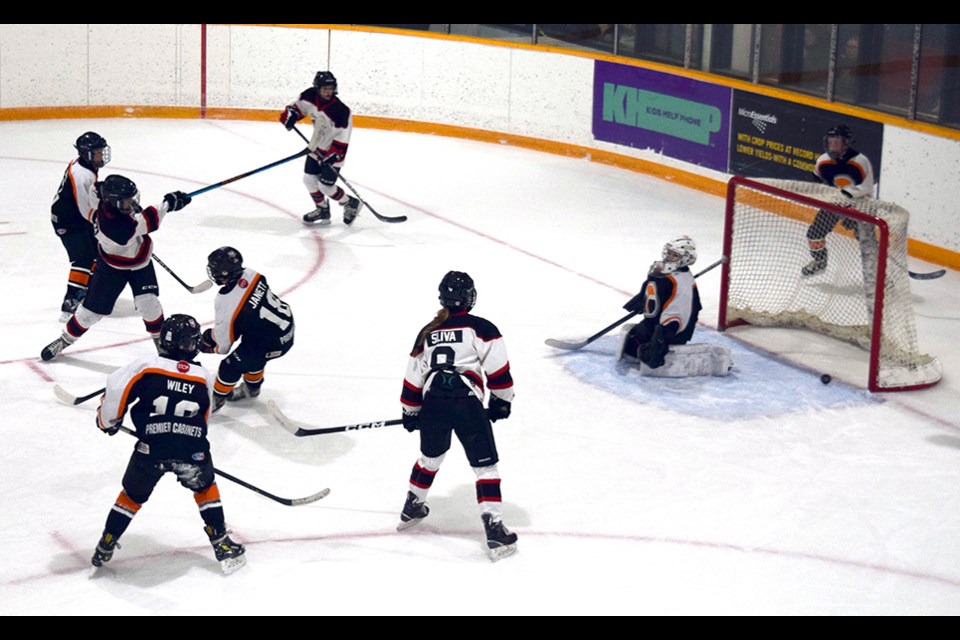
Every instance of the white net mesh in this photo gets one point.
(768, 234)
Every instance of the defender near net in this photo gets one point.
(861, 297)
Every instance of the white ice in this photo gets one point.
(765, 492)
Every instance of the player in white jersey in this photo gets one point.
(332, 127)
(670, 304)
(456, 358)
(125, 252)
(72, 216)
(168, 397)
(248, 312)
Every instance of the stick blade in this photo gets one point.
(64, 396)
(319, 495)
(282, 418)
(203, 286)
(561, 344)
(391, 219)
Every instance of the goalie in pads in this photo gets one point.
(670, 304)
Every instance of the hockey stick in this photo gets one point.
(66, 397)
(300, 432)
(574, 346)
(932, 275)
(299, 154)
(382, 218)
(290, 502)
(200, 288)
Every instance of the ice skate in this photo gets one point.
(319, 216)
(500, 542)
(242, 391)
(413, 512)
(53, 349)
(104, 550)
(68, 308)
(351, 210)
(229, 554)
(815, 266)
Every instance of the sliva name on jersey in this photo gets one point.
(446, 336)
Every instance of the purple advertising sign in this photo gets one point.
(681, 118)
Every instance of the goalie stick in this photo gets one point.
(300, 432)
(382, 218)
(574, 346)
(200, 288)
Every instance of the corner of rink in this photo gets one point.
(760, 385)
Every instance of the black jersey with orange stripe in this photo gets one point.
(168, 402)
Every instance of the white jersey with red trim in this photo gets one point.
(124, 240)
(468, 344)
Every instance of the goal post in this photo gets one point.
(862, 297)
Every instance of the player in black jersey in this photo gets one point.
(248, 312)
(72, 215)
(168, 397)
(851, 172)
(332, 126)
(454, 358)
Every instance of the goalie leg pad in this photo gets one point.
(688, 360)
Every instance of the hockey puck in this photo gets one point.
(825, 378)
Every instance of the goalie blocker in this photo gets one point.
(683, 360)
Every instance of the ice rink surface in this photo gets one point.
(761, 493)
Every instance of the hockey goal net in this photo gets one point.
(862, 297)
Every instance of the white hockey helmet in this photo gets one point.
(678, 253)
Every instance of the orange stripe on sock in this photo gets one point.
(210, 494)
(124, 502)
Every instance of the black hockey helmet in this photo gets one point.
(457, 292)
(325, 79)
(120, 194)
(841, 131)
(180, 337)
(87, 144)
(224, 265)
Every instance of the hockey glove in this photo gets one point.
(111, 430)
(498, 410)
(289, 117)
(207, 343)
(331, 158)
(176, 200)
(411, 421)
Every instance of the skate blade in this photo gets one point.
(409, 523)
(230, 565)
(500, 553)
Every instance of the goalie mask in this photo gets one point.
(180, 337)
(120, 194)
(224, 265)
(678, 253)
(457, 292)
(87, 147)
